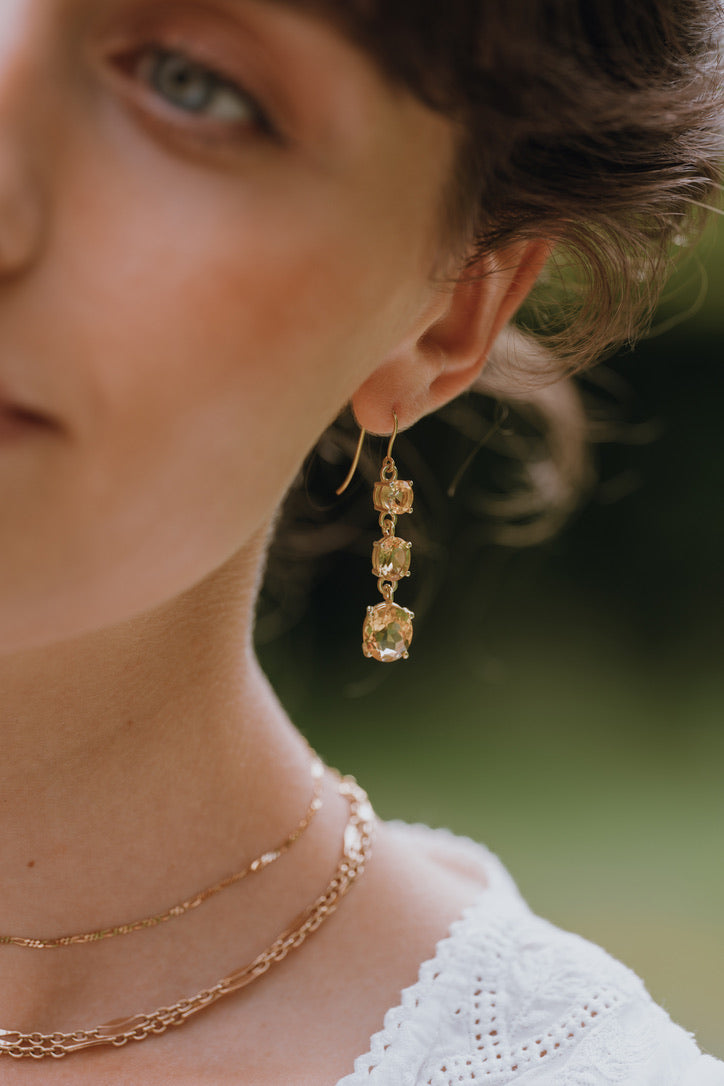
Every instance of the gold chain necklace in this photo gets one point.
(259, 864)
(355, 854)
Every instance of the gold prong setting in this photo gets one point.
(387, 628)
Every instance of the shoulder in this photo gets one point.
(507, 997)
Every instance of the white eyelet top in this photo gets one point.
(510, 999)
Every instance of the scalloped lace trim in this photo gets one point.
(509, 998)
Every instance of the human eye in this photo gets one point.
(213, 103)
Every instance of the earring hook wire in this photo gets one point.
(393, 435)
(358, 453)
(350, 474)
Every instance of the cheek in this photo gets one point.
(265, 297)
(197, 337)
(188, 414)
(249, 341)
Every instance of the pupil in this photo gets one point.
(183, 83)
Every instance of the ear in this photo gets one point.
(446, 352)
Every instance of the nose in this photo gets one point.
(21, 205)
(20, 214)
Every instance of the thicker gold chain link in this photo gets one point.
(355, 854)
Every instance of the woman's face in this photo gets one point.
(216, 221)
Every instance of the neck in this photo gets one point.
(141, 762)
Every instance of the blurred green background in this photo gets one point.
(563, 703)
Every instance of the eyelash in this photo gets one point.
(144, 65)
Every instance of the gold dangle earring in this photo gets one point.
(387, 628)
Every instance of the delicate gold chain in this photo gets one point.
(259, 864)
(355, 854)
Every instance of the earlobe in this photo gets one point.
(444, 359)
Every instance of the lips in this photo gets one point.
(16, 420)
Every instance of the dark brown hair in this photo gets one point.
(593, 123)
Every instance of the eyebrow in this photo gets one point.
(338, 12)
